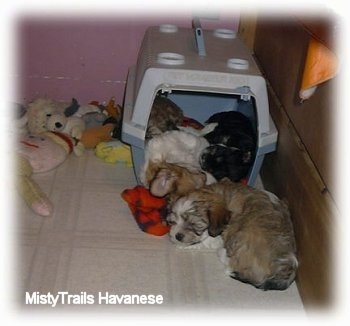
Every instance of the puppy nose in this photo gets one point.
(58, 124)
(179, 236)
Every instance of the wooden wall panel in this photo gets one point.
(284, 43)
(247, 28)
(300, 169)
(290, 173)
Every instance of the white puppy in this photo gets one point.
(176, 147)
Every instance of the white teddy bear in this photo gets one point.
(72, 126)
(40, 110)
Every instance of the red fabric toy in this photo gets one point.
(148, 211)
(189, 122)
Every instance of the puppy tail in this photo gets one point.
(281, 279)
(284, 276)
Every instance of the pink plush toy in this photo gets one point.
(35, 154)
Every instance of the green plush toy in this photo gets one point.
(35, 154)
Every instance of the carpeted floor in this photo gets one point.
(92, 245)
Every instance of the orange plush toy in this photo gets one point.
(92, 136)
(148, 211)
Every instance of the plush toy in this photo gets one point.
(94, 119)
(148, 211)
(113, 152)
(114, 112)
(190, 122)
(20, 120)
(91, 137)
(29, 190)
(77, 110)
(35, 154)
(42, 108)
(117, 130)
(72, 126)
(38, 112)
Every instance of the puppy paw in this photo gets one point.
(196, 246)
(228, 272)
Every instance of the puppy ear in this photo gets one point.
(150, 172)
(218, 217)
(163, 183)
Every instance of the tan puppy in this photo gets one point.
(259, 245)
(172, 180)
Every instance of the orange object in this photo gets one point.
(91, 137)
(112, 109)
(148, 211)
(321, 64)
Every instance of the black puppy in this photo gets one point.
(232, 146)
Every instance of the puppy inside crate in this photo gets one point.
(165, 115)
(232, 146)
(232, 143)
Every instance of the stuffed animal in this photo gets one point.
(91, 137)
(38, 112)
(113, 152)
(72, 126)
(42, 109)
(77, 110)
(149, 211)
(113, 110)
(20, 119)
(35, 154)
(29, 190)
(93, 119)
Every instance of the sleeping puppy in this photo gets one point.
(258, 239)
(165, 115)
(172, 180)
(232, 146)
(176, 147)
(224, 161)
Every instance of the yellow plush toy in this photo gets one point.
(113, 152)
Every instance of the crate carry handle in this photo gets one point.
(199, 37)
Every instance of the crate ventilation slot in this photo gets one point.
(225, 33)
(170, 58)
(240, 64)
(168, 28)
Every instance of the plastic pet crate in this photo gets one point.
(203, 72)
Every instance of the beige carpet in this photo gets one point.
(92, 245)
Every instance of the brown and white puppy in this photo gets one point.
(172, 180)
(165, 115)
(259, 246)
